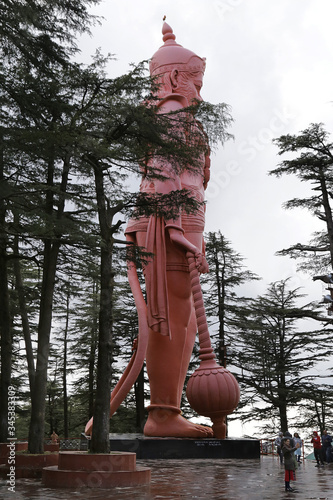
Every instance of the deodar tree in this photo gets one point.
(278, 356)
(222, 290)
(37, 40)
(311, 161)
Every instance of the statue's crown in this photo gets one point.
(174, 55)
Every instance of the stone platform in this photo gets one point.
(79, 469)
(172, 448)
(26, 465)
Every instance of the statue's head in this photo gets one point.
(178, 70)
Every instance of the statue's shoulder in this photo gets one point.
(172, 102)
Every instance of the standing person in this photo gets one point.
(317, 448)
(286, 436)
(278, 446)
(54, 437)
(326, 442)
(289, 463)
(298, 451)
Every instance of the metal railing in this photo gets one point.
(66, 444)
(268, 447)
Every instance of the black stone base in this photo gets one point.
(173, 448)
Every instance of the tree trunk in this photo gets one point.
(100, 441)
(6, 338)
(91, 367)
(92, 357)
(24, 316)
(51, 252)
(282, 390)
(283, 417)
(64, 371)
(328, 212)
(5, 317)
(221, 297)
(140, 401)
(38, 400)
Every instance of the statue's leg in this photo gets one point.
(168, 360)
(166, 356)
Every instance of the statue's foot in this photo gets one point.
(168, 423)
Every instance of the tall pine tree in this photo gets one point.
(277, 352)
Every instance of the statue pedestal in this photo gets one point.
(77, 469)
(173, 448)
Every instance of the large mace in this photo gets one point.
(212, 390)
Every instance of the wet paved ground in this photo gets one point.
(219, 479)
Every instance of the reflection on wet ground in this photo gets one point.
(219, 479)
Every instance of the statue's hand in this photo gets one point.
(177, 237)
(201, 263)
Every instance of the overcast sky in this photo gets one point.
(272, 63)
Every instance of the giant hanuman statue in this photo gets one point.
(168, 323)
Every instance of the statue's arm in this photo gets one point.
(172, 183)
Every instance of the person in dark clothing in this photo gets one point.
(317, 448)
(326, 442)
(289, 463)
(286, 436)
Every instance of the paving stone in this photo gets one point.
(213, 479)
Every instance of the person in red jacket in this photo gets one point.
(316, 441)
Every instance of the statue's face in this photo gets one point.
(193, 87)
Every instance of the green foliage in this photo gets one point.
(277, 356)
(222, 288)
(42, 32)
(123, 421)
(312, 163)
